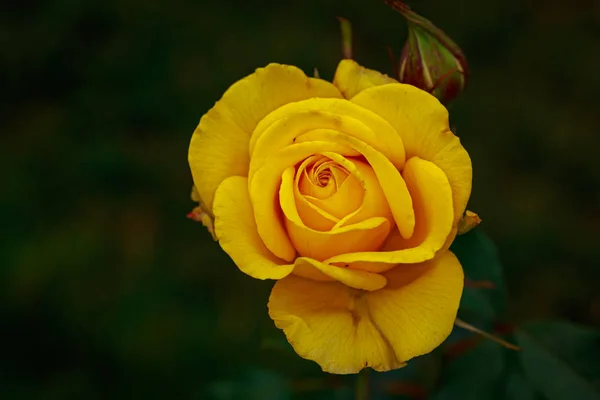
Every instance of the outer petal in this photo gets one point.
(325, 323)
(422, 122)
(345, 330)
(417, 309)
(432, 199)
(352, 79)
(285, 125)
(219, 146)
(352, 278)
(236, 230)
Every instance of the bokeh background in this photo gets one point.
(108, 291)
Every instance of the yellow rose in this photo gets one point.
(349, 195)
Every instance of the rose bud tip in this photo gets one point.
(430, 59)
(468, 222)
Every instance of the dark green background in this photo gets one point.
(108, 291)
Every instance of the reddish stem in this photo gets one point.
(480, 284)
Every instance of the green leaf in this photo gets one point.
(473, 375)
(478, 255)
(480, 262)
(561, 360)
(518, 387)
(476, 300)
(514, 385)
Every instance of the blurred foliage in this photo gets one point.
(109, 292)
(485, 293)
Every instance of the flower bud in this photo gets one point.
(430, 60)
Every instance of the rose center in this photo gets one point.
(321, 177)
(328, 185)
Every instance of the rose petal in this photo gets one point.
(345, 330)
(236, 231)
(417, 309)
(422, 122)
(311, 214)
(284, 126)
(432, 199)
(219, 146)
(390, 180)
(374, 202)
(323, 323)
(352, 78)
(352, 278)
(265, 187)
(367, 235)
(348, 197)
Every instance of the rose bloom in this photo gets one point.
(348, 195)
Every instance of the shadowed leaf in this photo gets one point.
(480, 262)
(561, 360)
